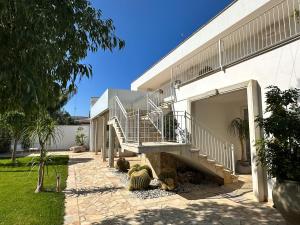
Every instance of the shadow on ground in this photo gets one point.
(93, 190)
(79, 160)
(204, 213)
(215, 192)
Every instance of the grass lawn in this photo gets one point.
(19, 205)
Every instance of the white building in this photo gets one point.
(184, 103)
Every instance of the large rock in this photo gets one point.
(77, 149)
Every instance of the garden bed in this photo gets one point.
(154, 190)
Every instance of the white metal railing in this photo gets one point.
(274, 27)
(118, 112)
(161, 94)
(178, 126)
(209, 144)
(155, 115)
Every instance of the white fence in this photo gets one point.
(66, 137)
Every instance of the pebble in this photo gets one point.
(154, 190)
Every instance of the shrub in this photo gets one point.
(5, 141)
(80, 137)
(279, 150)
(26, 142)
(139, 180)
(122, 165)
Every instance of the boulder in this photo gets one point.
(77, 149)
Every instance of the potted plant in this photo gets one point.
(80, 139)
(279, 150)
(240, 128)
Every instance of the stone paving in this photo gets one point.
(94, 195)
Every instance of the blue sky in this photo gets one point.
(150, 28)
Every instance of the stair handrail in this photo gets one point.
(123, 122)
(216, 148)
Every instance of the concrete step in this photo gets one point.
(211, 161)
(219, 166)
(194, 149)
(202, 156)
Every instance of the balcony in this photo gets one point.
(276, 26)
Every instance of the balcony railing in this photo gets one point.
(275, 26)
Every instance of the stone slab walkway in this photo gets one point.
(94, 195)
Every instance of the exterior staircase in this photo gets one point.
(141, 133)
(204, 163)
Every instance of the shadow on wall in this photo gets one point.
(201, 213)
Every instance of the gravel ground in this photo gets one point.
(154, 190)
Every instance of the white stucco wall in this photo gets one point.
(100, 105)
(216, 117)
(66, 137)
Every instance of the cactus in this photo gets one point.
(134, 168)
(122, 165)
(139, 180)
(168, 180)
(168, 184)
(138, 167)
(148, 169)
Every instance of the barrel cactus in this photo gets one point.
(139, 180)
(122, 165)
(138, 167)
(134, 168)
(146, 167)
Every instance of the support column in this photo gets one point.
(259, 177)
(111, 147)
(96, 136)
(91, 135)
(103, 152)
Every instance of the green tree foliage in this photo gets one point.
(279, 151)
(62, 117)
(42, 45)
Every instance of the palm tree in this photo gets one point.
(240, 128)
(15, 123)
(43, 129)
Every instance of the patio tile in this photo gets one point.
(94, 195)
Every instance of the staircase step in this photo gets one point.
(219, 166)
(203, 156)
(211, 161)
(194, 150)
(235, 178)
